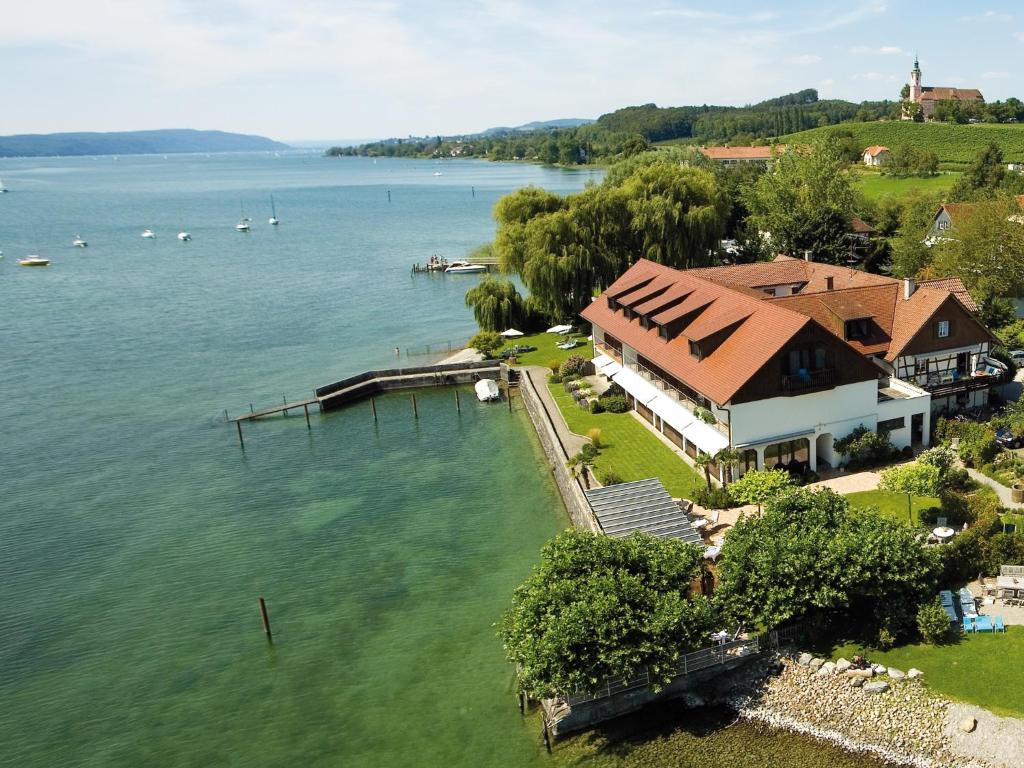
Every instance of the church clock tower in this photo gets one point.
(915, 82)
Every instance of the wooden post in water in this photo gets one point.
(508, 395)
(241, 442)
(226, 415)
(251, 409)
(389, 195)
(415, 413)
(284, 400)
(458, 405)
(305, 409)
(266, 618)
(373, 407)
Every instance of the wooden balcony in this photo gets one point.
(939, 388)
(823, 378)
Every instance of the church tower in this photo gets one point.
(915, 82)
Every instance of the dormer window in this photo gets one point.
(695, 350)
(858, 328)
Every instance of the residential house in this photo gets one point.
(876, 155)
(787, 356)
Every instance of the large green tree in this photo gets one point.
(759, 486)
(914, 479)
(805, 202)
(986, 249)
(810, 557)
(496, 304)
(597, 607)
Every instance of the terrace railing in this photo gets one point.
(820, 379)
(670, 389)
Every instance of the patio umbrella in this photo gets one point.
(511, 333)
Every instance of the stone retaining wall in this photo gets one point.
(575, 501)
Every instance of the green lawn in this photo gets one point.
(629, 449)
(547, 352)
(982, 669)
(875, 185)
(891, 504)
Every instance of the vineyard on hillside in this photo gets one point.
(954, 144)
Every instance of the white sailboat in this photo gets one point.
(273, 220)
(184, 236)
(148, 234)
(79, 242)
(243, 222)
(2, 187)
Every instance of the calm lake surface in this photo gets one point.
(135, 535)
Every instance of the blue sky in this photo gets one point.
(316, 69)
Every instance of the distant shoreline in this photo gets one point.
(158, 142)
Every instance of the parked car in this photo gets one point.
(1007, 439)
(1017, 355)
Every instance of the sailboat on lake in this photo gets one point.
(243, 223)
(273, 220)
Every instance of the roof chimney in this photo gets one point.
(807, 256)
(828, 282)
(909, 286)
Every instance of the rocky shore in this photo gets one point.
(884, 712)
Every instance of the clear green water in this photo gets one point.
(135, 536)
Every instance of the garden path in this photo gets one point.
(1001, 490)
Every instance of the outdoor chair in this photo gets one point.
(983, 624)
(940, 522)
(999, 626)
(968, 624)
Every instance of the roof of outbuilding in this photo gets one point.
(875, 149)
(740, 153)
(641, 506)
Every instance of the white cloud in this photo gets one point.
(805, 58)
(885, 50)
(995, 75)
(696, 14)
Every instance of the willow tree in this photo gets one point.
(512, 213)
(496, 304)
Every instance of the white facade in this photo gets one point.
(877, 159)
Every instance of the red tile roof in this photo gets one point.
(761, 330)
(786, 270)
(740, 153)
(939, 93)
(875, 149)
(861, 227)
(955, 286)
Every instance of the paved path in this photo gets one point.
(1001, 490)
(850, 483)
(572, 442)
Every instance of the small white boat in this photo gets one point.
(487, 390)
(184, 236)
(464, 267)
(149, 234)
(34, 261)
(2, 187)
(273, 220)
(79, 242)
(243, 225)
(438, 173)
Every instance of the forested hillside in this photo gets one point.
(132, 143)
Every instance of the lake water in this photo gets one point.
(135, 535)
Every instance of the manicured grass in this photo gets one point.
(891, 504)
(982, 669)
(875, 185)
(628, 448)
(546, 349)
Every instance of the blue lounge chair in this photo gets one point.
(999, 624)
(983, 624)
(968, 624)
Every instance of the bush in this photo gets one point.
(574, 365)
(588, 451)
(596, 406)
(487, 343)
(615, 390)
(703, 414)
(933, 622)
(713, 498)
(977, 441)
(555, 366)
(595, 437)
(885, 639)
(554, 378)
(907, 452)
(616, 404)
(865, 448)
(611, 478)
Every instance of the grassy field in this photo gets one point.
(952, 143)
(980, 669)
(547, 352)
(875, 185)
(628, 448)
(891, 504)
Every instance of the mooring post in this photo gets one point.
(305, 409)
(241, 442)
(226, 415)
(508, 393)
(284, 400)
(458, 405)
(389, 195)
(415, 413)
(266, 618)
(251, 409)
(373, 407)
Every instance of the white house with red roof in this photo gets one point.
(876, 155)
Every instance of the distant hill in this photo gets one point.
(954, 144)
(132, 143)
(543, 125)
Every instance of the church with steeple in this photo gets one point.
(929, 96)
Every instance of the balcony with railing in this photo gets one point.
(955, 382)
(805, 381)
(604, 349)
(677, 394)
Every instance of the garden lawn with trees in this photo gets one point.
(980, 669)
(890, 504)
(875, 185)
(628, 448)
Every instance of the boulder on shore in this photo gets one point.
(878, 686)
(804, 659)
(842, 665)
(880, 669)
(968, 724)
(914, 673)
(861, 673)
(815, 664)
(828, 668)
(896, 674)
(858, 682)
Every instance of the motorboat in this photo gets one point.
(487, 390)
(242, 225)
(149, 234)
(184, 236)
(438, 173)
(79, 242)
(464, 267)
(273, 220)
(34, 261)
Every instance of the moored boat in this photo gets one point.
(464, 267)
(34, 261)
(487, 390)
(149, 234)
(79, 242)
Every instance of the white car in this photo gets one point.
(1017, 356)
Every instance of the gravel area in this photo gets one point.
(998, 741)
(903, 724)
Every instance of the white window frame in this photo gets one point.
(942, 329)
